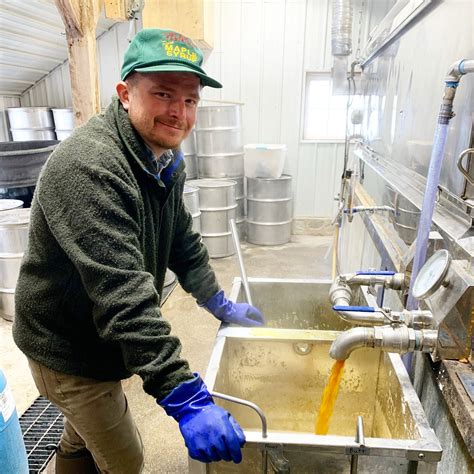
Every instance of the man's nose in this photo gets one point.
(177, 109)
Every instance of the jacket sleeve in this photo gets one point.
(189, 259)
(94, 214)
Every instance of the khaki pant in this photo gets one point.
(97, 417)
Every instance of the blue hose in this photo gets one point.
(427, 210)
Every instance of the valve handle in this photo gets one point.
(375, 272)
(362, 309)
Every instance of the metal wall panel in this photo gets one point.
(274, 42)
(6, 102)
(404, 87)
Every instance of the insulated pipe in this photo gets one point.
(341, 30)
(400, 339)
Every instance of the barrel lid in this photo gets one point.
(7, 204)
(29, 109)
(190, 189)
(212, 183)
(14, 217)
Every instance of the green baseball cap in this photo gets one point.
(156, 50)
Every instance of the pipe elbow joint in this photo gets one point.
(340, 293)
(350, 340)
(458, 69)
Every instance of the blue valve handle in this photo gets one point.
(362, 309)
(376, 272)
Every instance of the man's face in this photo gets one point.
(162, 106)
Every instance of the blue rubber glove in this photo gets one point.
(210, 433)
(235, 313)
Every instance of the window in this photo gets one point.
(324, 113)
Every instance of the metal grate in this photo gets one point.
(41, 425)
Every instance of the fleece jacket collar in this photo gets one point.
(116, 114)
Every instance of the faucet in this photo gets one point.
(400, 339)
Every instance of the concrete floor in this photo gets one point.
(303, 257)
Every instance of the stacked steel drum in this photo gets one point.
(220, 153)
(217, 204)
(63, 122)
(269, 210)
(13, 241)
(188, 147)
(269, 195)
(40, 123)
(214, 154)
(31, 123)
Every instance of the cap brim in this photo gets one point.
(205, 79)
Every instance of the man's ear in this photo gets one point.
(123, 93)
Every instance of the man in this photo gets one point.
(107, 219)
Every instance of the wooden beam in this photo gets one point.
(80, 19)
(117, 9)
(193, 18)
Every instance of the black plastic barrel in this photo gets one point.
(20, 165)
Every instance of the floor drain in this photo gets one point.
(41, 425)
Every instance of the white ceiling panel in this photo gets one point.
(32, 42)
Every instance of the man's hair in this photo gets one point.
(133, 78)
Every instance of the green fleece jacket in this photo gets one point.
(103, 230)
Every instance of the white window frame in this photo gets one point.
(307, 77)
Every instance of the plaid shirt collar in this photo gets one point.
(157, 164)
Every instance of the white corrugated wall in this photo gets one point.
(261, 51)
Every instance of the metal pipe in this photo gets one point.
(350, 340)
(235, 237)
(389, 279)
(458, 69)
(362, 318)
(400, 339)
(360, 440)
(370, 316)
(246, 403)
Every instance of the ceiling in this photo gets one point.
(32, 42)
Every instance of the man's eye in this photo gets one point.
(191, 102)
(162, 94)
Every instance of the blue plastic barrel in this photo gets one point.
(13, 459)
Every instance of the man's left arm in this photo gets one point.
(189, 259)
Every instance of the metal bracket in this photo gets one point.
(361, 449)
(463, 170)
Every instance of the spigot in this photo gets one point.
(400, 339)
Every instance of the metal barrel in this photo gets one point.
(31, 123)
(21, 162)
(188, 147)
(220, 155)
(191, 201)
(269, 210)
(13, 241)
(63, 122)
(217, 204)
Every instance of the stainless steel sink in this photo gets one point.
(294, 304)
(284, 371)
